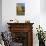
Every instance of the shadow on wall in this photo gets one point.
(0, 14)
(43, 6)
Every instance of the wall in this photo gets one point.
(43, 6)
(33, 13)
(0, 15)
(43, 14)
(9, 11)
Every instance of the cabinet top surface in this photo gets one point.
(19, 23)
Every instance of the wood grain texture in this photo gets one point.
(23, 27)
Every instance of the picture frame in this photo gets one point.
(20, 9)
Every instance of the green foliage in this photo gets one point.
(40, 33)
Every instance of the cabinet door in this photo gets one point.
(20, 37)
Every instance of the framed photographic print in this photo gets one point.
(20, 8)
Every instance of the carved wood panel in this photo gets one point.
(22, 33)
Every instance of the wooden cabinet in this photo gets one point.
(22, 33)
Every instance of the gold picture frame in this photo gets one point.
(20, 8)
